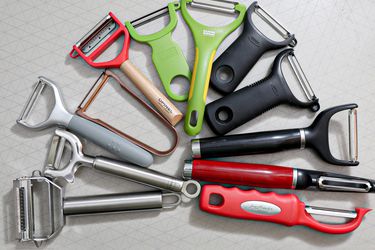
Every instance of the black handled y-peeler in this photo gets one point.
(237, 60)
(315, 136)
(229, 112)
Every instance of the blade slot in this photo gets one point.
(339, 184)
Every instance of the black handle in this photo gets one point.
(251, 143)
(236, 61)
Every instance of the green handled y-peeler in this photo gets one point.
(207, 40)
(167, 56)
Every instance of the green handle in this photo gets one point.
(207, 40)
(167, 55)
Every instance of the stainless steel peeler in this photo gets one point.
(59, 116)
(190, 189)
(41, 206)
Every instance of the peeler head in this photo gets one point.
(61, 141)
(58, 116)
(99, 38)
(39, 203)
(317, 135)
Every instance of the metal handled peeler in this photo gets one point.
(272, 207)
(229, 112)
(231, 67)
(99, 38)
(59, 116)
(41, 206)
(207, 40)
(315, 136)
(190, 188)
(167, 55)
(94, 92)
(268, 176)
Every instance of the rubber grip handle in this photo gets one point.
(229, 112)
(110, 141)
(244, 174)
(250, 143)
(271, 207)
(232, 65)
(198, 91)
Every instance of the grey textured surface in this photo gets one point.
(335, 48)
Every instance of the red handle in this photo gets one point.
(245, 174)
(117, 61)
(282, 209)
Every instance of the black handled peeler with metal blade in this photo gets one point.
(315, 136)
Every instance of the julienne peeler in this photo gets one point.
(63, 140)
(93, 44)
(94, 92)
(97, 134)
(231, 67)
(41, 206)
(316, 136)
(167, 55)
(272, 207)
(269, 176)
(229, 112)
(207, 40)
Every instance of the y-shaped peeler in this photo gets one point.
(207, 40)
(94, 92)
(190, 188)
(272, 207)
(237, 60)
(59, 116)
(269, 176)
(99, 38)
(315, 136)
(41, 206)
(229, 112)
(167, 56)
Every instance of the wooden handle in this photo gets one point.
(160, 101)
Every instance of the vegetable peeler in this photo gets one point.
(94, 92)
(272, 207)
(228, 112)
(53, 169)
(315, 136)
(59, 116)
(167, 55)
(207, 40)
(41, 206)
(93, 44)
(231, 67)
(268, 176)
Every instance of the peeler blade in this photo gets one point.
(346, 185)
(215, 5)
(350, 214)
(353, 135)
(150, 17)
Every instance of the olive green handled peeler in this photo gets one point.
(167, 55)
(207, 40)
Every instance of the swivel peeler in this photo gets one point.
(167, 55)
(315, 136)
(272, 207)
(229, 112)
(59, 116)
(231, 67)
(268, 176)
(207, 40)
(94, 92)
(41, 206)
(53, 169)
(93, 44)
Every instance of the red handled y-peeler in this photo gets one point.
(97, 40)
(272, 207)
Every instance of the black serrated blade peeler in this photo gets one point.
(315, 136)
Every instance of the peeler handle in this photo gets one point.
(244, 144)
(245, 174)
(110, 141)
(152, 93)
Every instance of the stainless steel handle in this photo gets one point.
(190, 188)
